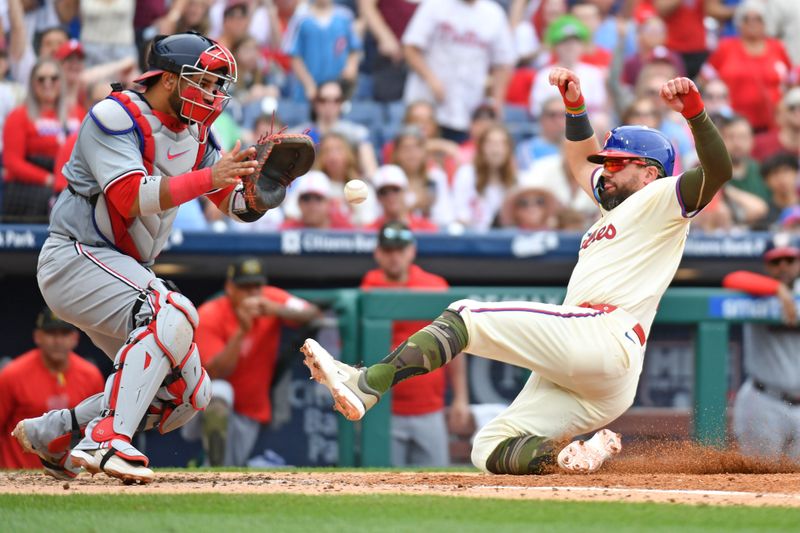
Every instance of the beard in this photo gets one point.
(610, 200)
(176, 104)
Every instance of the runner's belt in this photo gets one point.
(776, 393)
(607, 308)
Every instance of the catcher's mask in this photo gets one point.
(196, 59)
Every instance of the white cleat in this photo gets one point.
(114, 466)
(588, 456)
(55, 465)
(348, 385)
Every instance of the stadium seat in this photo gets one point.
(516, 115)
(292, 112)
(365, 112)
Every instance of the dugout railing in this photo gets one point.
(365, 320)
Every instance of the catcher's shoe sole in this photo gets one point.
(588, 456)
(115, 467)
(53, 470)
(324, 371)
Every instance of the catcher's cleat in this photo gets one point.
(588, 456)
(55, 464)
(109, 461)
(351, 395)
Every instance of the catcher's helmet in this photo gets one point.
(191, 56)
(638, 141)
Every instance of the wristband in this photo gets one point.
(185, 187)
(573, 107)
(692, 104)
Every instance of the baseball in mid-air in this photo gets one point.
(355, 191)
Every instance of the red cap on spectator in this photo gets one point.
(780, 246)
(73, 46)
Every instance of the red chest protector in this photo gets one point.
(147, 144)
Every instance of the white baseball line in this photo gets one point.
(644, 491)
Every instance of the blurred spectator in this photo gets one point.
(783, 22)
(44, 46)
(326, 117)
(738, 137)
(484, 116)
(589, 14)
(15, 45)
(419, 427)
(530, 205)
(564, 187)
(441, 153)
(786, 138)
(671, 124)
(51, 376)
(238, 339)
(107, 30)
(479, 188)
(12, 93)
(717, 98)
(386, 21)
(258, 19)
(336, 158)
(454, 48)
(324, 47)
(428, 190)
(236, 18)
(686, 31)
(766, 412)
(313, 196)
(550, 135)
(253, 85)
(756, 65)
(780, 173)
(194, 15)
(32, 135)
(72, 59)
(651, 36)
(567, 36)
(395, 199)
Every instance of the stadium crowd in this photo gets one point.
(442, 106)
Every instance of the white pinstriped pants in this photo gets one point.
(586, 365)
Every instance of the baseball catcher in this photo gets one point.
(586, 354)
(138, 157)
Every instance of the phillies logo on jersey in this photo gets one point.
(603, 232)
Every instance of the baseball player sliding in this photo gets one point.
(586, 354)
(137, 158)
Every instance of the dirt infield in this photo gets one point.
(716, 489)
(674, 473)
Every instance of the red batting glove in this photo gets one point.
(692, 104)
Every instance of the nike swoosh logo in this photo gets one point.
(173, 156)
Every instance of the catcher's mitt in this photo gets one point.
(281, 157)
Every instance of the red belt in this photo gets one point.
(607, 308)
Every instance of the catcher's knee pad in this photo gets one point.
(187, 392)
(174, 321)
(150, 355)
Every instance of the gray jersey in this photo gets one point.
(109, 148)
(772, 355)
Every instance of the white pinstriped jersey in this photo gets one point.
(630, 255)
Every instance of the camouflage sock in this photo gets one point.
(430, 348)
(520, 455)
